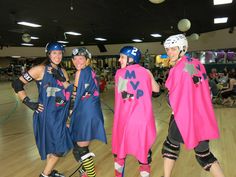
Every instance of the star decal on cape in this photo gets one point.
(198, 67)
(86, 85)
(204, 76)
(189, 59)
(122, 84)
(190, 69)
(51, 91)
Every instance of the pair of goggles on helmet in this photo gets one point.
(81, 52)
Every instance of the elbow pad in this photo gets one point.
(156, 94)
(17, 85)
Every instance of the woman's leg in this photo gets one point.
(226, 96)
(170, 153)
(50, 164)
(216, 170)
(171, 147)
(207, 160)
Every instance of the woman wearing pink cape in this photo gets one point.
(134, 130)
(192, 121)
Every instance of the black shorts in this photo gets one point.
(176, 138)
(173, 131)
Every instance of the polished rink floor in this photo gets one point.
(19, 156)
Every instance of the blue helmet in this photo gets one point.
(132, 52)
(54, 46)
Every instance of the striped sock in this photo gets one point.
(119, 167)
(88, 165)
(145, 170)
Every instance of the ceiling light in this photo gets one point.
(63, 42)
(27, 44)
(220, 2)
(73, 33)
(33, 37)
(29, 24)
(220, 20)
(100, 39)
(156, 1)
(137, 40)
(155, 35)
(15, 56)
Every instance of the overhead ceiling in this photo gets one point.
(119, 21)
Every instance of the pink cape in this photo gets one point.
(134, 129)
(191, 103)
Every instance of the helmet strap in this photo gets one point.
(179, 56)
(52, 62)
(48, 53)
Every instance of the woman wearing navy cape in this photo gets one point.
(87, 119)
(51, 110)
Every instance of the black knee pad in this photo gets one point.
(170, 150)
(205, 159)
(78, 152)
(149, 158)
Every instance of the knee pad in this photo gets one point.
(205, 159)
(149, 158)
(81, 153)
(156, 94)
(170, 150)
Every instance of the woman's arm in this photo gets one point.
(155, 86)
(66, 84)
(35, 73)
(232, 82)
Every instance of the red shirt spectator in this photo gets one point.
(102, 84)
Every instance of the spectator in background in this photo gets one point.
(231, 91)
(214, 75)
(102, 83)
(232, 73)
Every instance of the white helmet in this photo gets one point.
(178, 40)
